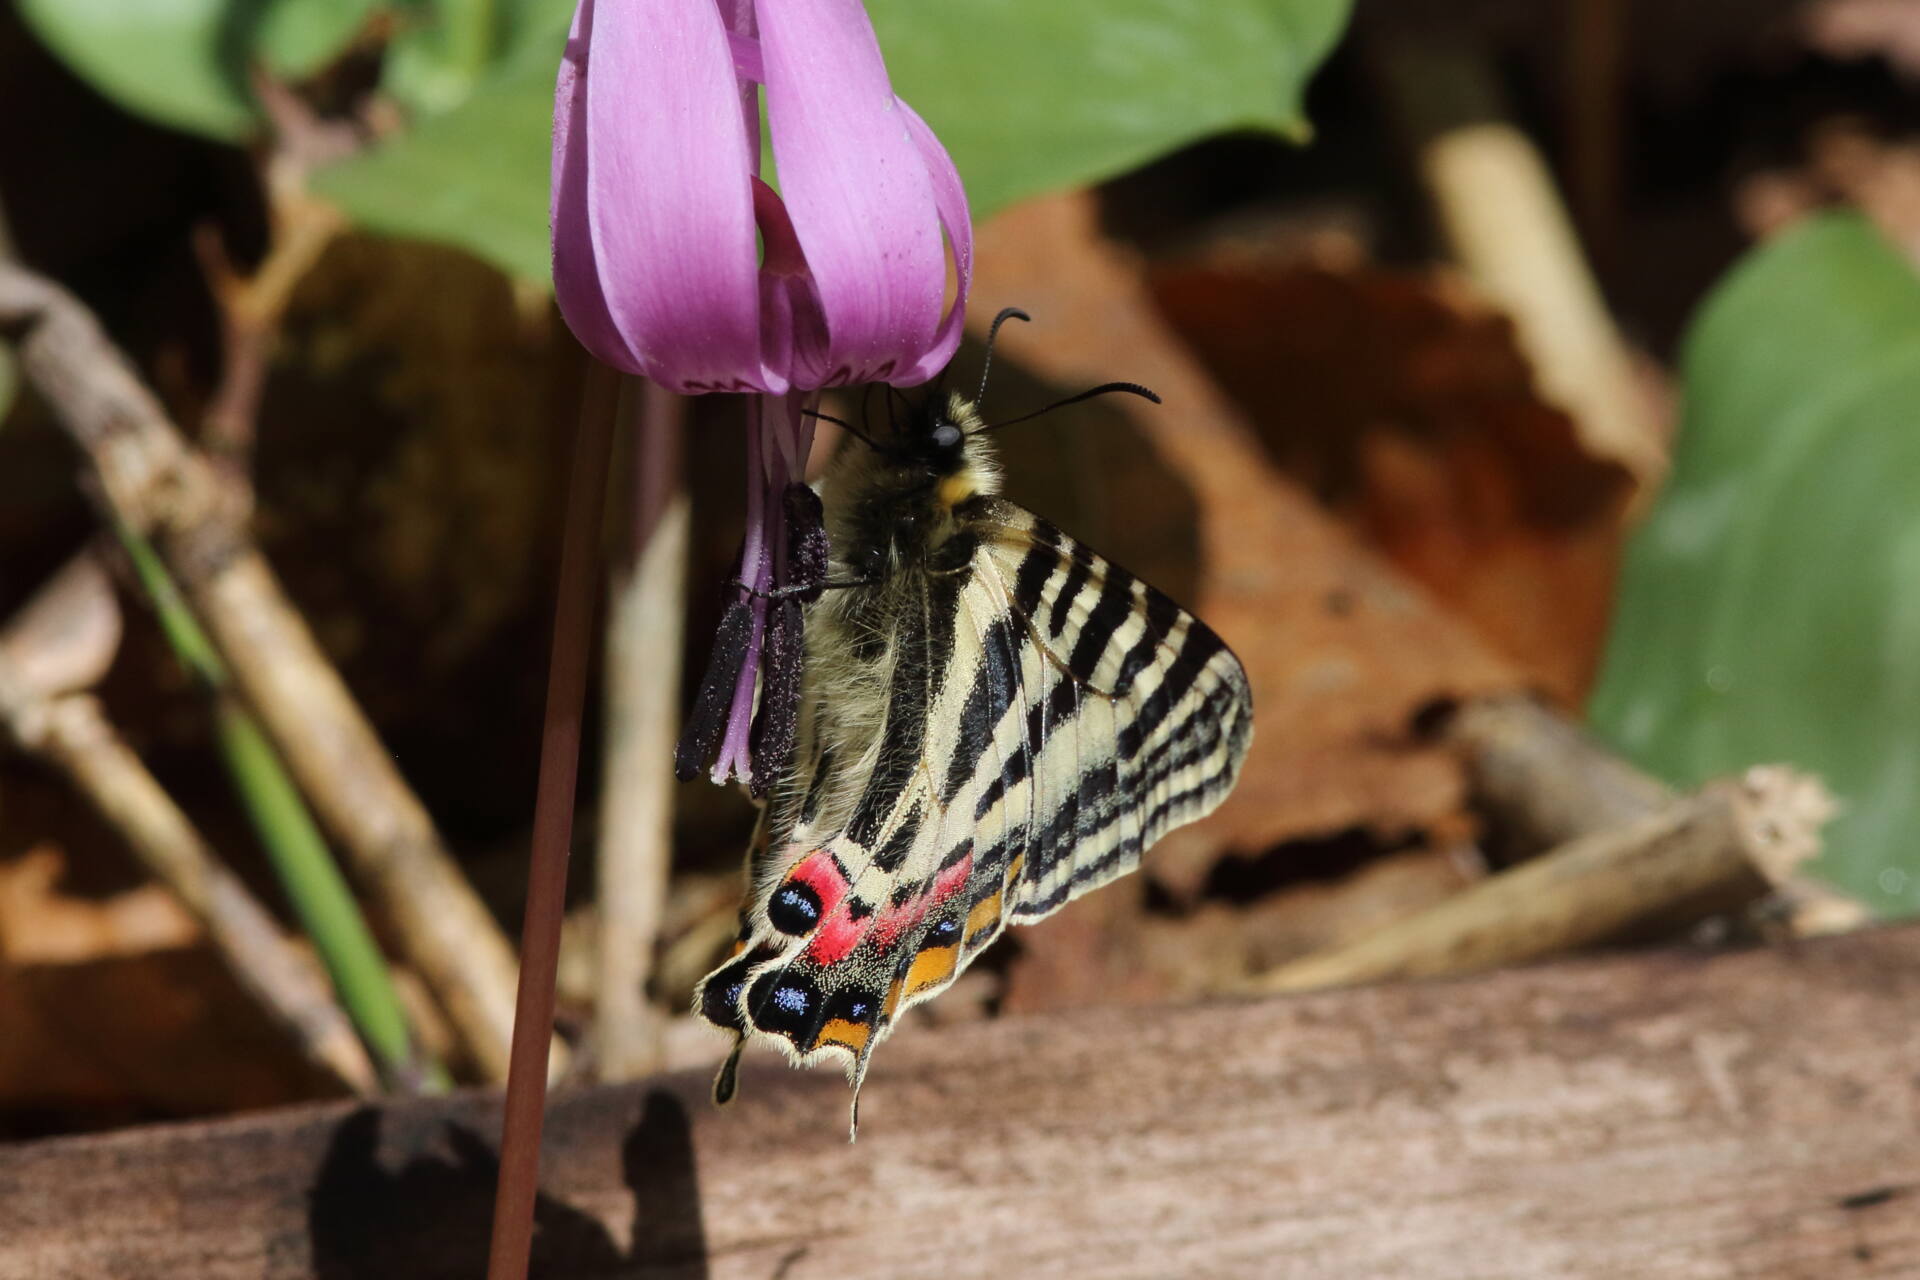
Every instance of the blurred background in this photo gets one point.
(1526, 366)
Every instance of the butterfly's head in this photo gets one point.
(892, 500)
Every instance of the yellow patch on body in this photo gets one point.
(956, 488)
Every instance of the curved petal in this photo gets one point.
(950, 197)
(855, 185)
(576, 276)
(669, 258)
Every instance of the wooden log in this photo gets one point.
(1660, 1115)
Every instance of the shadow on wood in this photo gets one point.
(371, 1220)
(1672, 1114)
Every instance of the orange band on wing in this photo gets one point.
(845, 1034)
(984, 916)
(931, 968)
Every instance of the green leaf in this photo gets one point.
(299, 37)
(1027, 96)
(1770, 608)
(177, 61)
(1033, 96)
(475, 176)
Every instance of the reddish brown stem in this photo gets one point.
(552, 831)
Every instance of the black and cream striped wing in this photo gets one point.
(1049, 716)
(1129, 716)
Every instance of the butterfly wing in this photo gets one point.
(1139, 724)
(1047, 716)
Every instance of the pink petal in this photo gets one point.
(951, 199)
(657, 168)
(576, 279)
(855, 184)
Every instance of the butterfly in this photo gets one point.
(993, 720)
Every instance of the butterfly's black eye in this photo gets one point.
(870, 563)
(947, 436)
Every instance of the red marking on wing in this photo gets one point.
(820, 873)
(836, 936)
(897, 920)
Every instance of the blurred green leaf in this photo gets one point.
(1027, 96)
(475, 176)
(1770, 608)
(180, 62)
(299, 37)
(440, 53)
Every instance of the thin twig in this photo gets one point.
(251, 308)
(645, 614)
(294, 846)
(512, 1240)
(1542, 780)
(68, 730)
(150, 480)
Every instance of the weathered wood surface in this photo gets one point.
(1666, 1115)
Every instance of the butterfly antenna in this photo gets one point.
(843, 424)
(1105, 388)
(993, 331)
(900, 407)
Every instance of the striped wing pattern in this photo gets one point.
(1046, 717)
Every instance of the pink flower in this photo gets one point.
(657, 196)
(674, 260)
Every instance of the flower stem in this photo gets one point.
(512, 1239)
(293, 842)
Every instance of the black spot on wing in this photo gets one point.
(719, 996)
(853, 1005)
(787, 1002)
(944, 932)
(794, 907)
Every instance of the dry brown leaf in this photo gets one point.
(1405, 406)
(39, 924)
